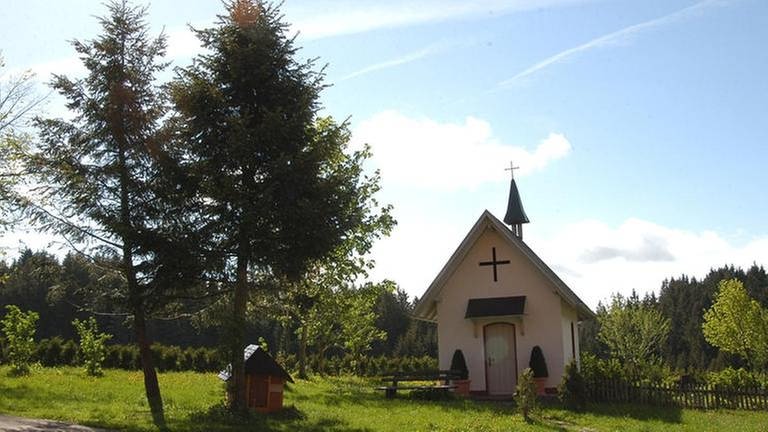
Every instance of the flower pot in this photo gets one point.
(541, 383)
(462, 387)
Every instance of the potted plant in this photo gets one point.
(539, 367)
(459, 367)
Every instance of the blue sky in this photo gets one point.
(639, 126)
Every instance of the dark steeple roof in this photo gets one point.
(515, 213)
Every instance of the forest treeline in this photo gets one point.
(681, 304)
(40, 282)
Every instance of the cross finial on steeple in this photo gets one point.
(512, 169)
(515, 216)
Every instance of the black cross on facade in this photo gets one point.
(494, 263)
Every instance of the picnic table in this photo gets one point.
(439, 380)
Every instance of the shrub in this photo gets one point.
(459, 365)
(49, 351)
(573, 390)
(19, 330)
(92, 350)
(595, 369)
(68, 353)
(537, 364)
(129, 357)
(526, 394)
(732, 379)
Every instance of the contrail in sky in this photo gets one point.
(609, 38)
(416, 55)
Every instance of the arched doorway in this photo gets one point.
(500, 358)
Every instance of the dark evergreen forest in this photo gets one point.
(40, 282)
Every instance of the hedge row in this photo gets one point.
(365, 366)
(595, 369)
(58, 352)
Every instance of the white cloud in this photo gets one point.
(609, 39)
(183, 43)
(325, 18)
(69, 66)
(597, 259)
(419, 152)
(642, 254)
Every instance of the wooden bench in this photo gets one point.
(441, 381)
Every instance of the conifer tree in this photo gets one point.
(99, 181)
(276, 184)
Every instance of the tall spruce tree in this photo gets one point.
(98, 176)
(276, 184)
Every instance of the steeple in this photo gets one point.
(515, 216)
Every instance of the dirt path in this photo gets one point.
(18, 424)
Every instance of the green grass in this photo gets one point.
(193, 403)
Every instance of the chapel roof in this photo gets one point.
(426, 310)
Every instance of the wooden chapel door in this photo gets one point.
(500, 358)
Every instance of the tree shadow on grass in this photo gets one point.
(15, 398)
(641, 412)
(34, 396)
(352, 394)
(289, 419)
(557, 415)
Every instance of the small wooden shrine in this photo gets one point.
(264, 380)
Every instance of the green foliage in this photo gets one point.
(458, 363)
(683, 300)
(341, 317)
(365, 366)
(738, 324)
(18, 103)
(19, 330)
(358, 321)
(594, 368)
(737, 379)
(525, 396)
(633, 331)
(537, 363)
(276, 187)
(104, 183)
(92, 349)
(572, 390)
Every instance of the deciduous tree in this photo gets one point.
(736, 323)
(18, 104)
(633, 332)
(19, 330)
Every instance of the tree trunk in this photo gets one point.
(151, 386)
(303, 352)
(237, 391)
(321, 359)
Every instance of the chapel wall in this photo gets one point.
(541, 324)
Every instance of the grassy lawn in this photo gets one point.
(193, 403)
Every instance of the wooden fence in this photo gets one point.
(680, 395)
